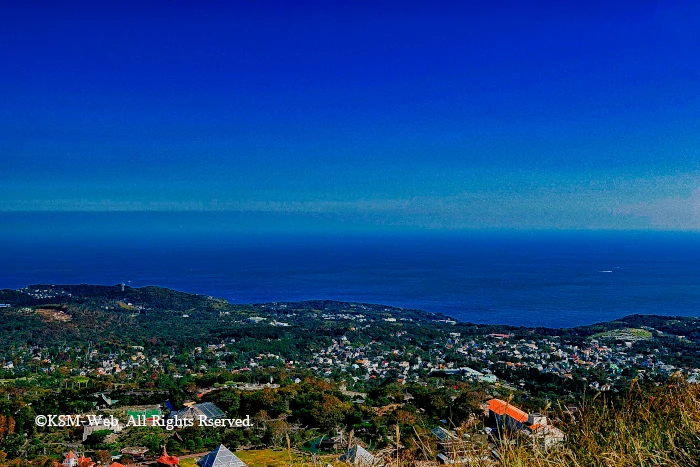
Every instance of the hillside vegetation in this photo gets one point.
(647, 427)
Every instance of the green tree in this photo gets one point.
(330, 412)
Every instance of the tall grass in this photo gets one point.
(657, 426)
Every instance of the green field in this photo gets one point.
(270, 458)
(13, 380)
(148, 413)
(188, 463)
(624, 334)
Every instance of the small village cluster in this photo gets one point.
(503, 420)
(473, 358)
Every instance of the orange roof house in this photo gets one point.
(533, 425)
(85, 461)
(167, 460)
(499, 407)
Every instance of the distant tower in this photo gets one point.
(122, 287)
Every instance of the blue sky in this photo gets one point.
(438, 116)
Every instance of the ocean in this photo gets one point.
(518, 278)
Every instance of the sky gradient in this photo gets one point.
(365, 117)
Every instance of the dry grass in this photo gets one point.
(652, 427)
(53, 315)
(643, 428)
(268, 458)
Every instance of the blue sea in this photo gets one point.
(530, 279)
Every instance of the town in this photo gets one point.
(328, 378)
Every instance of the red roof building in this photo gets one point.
(167, 460)
(501, 336)
(534, 425)
(85, 461)
(501, 408)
